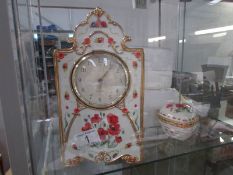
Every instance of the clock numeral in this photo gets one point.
(105, 61)
(99, 99)
(117, 91)
(90, 96)
(79, 79)
(84, 69)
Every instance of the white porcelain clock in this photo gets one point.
(99, 82)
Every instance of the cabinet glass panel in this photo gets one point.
(188, 84)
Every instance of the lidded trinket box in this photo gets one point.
(178, 120)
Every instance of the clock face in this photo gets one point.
(100, 79)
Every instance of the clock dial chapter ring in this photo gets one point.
(104, 84)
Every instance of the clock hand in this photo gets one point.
(100, 80)
(99, 86)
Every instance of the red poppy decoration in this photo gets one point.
(111, 41)
(103, 24)
(67, 96)
(98, 23)
(74, 146)
(135, 64)
(65, 66)
(135, 94)
(114, 129)
(180, 105)
(86, 127)
(60, 55)
(67, 107)
(76, 110)
(137, 54)
(118, 139)
(169, 105)
(102, 133)
(87, 41)
(112, 119)
(128, 145)
(125, 110)
(99, 40)
(95, 119)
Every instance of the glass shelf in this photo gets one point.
(157, 147)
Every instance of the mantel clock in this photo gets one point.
(99, 84)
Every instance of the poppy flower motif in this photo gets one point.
(111, 41)
(87, 41)
(98, 23)
(118, 139)
(137, 54)
(95, 119)
(76, 110)
(67, 107)
(65, 66)
(114, 129)
(103, 24)
(169, 105)
(67, 96)
(112, 119)
(102, 133)
(74, 146)
(99, 40)
(135, 94)
(180, 105)
(128, 145)
(135, 64)
(125, 110)
(60, 55)
(87, 126)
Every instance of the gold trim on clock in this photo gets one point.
(76, 92)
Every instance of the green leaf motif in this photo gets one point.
(65, 123)
(91, 155)
(114, 155)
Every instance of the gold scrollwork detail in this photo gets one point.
(178, 124)
(103, 157)
(73, 162)
(129, 159)
(98, 11)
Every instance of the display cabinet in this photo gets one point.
(178, 74)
